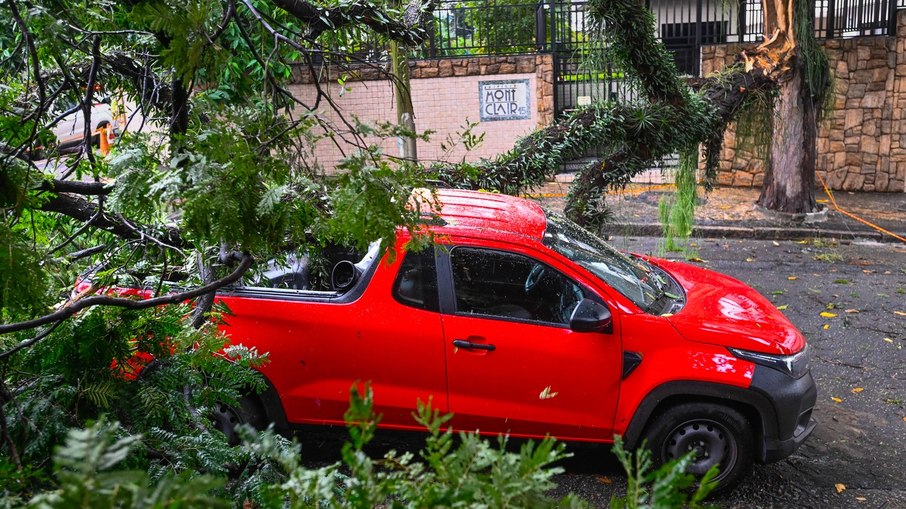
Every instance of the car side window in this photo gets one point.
(508, 285)
(311, 274)
(416, 281)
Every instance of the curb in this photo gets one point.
(749, 232)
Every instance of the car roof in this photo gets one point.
(462, 211)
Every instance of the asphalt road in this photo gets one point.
(859, 358)
(859, 363)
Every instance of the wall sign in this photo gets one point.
(504, 100)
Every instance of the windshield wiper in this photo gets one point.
(659, 285)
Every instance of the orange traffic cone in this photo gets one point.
(104, 142)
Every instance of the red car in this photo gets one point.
(518, 321)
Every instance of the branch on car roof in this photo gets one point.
(71, 308)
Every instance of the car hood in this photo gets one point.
(725, 311)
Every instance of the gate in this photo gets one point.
(582, 74)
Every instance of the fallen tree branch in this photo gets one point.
(76, 187)
(83, 210)
(245, 261)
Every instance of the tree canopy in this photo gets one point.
(226, 178)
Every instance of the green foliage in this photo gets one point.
(463, 471)
(466, 137)
(668, 487)
(238, 175)
(186, 26)
(634, 47)
(754, 125)
(370, 199)
(676, 212)
(485, 26)
(817, 74)
(88, 367)
(23, 282)
(85, 468)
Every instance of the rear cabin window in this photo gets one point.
(416, 282)
(308, 272)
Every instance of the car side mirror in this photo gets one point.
(591, 316)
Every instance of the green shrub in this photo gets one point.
(667, 487)
(462, 470)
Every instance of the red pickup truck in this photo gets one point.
(518, 321)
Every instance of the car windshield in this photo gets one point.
(633, 278)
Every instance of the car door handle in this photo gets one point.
(462, 343)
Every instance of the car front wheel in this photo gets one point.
(714, 434)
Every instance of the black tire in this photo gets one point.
(720, 434)
(250, 411)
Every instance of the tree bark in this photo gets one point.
(405, 113)
(789, 184)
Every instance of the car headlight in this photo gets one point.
(796, 365)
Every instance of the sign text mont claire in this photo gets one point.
(504, 100)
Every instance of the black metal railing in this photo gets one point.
(852, 18)
(485, 27)
(560, 27)
(499, 27)
(582, 72)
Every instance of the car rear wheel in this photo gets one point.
(226, 418)
(715, 434)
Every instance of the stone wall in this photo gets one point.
(862, 143)
(444, 97)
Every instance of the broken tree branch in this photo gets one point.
(245, 261)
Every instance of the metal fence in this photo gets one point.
(496, 27)
(685, 25)
(560, 27)
(851, 18)
(582, 71)
(485, 27)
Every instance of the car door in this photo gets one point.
(513, 364)
(386, 330)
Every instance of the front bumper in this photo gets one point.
(776, 450)
(792, 402)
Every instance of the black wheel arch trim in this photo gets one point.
(273, 407)
(689, 390)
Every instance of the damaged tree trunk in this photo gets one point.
(789, 184)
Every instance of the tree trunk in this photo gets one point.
(405, 114)
(789, 184)
(179, 109)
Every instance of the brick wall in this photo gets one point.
(444, 96)
(862, 144)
